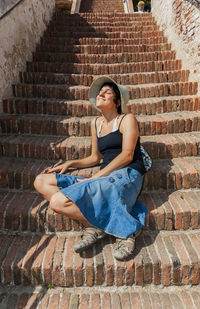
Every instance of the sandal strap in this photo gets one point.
(89, 237)
(93, 232)
(87, 234)
(123, 243)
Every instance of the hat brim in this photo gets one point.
(96, 86)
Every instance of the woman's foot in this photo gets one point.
(125, 247)
(90, 236)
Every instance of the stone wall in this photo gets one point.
(6, 5)
(20, 31)
(180, 20)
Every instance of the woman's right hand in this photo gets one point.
(62, 168)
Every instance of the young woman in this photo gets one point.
(105, 203)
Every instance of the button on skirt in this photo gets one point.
(110, 202)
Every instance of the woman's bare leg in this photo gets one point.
(46, 185)
(63, 205)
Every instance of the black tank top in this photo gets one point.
(110, 146)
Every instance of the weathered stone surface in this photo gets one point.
(20, 31)
(180, 20)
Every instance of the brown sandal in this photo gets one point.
(90, 236)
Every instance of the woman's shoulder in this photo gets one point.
(125, 117)
(127, 122)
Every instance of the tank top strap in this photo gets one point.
(96, 125)
(100, 127)
(121, 121)
(115, 126)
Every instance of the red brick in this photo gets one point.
(68, 262)
(54, 301)
(106, 301)
(48, 260)
(135, 300)
(39, 253)
(65, 300)
(22, 301)
(109, 265)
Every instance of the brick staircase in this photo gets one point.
(48, 119)
(102, 6)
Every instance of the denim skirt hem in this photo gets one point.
(110, 202)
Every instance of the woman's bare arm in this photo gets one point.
(90, 161)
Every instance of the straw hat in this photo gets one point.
(96, 86)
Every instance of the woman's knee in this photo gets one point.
(57, 202)
(43, 180)
(39, 181)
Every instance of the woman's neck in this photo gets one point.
(108, 117)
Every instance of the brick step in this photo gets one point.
(102, 41)
(153, 106)
(103, 16)
(28, 212)
(175, 122)
(86, 79)
(167, 258)
(103, 23)
(48, 147)
(101, 7)
(113, 35)
(108, 14)
(167, 174)
(88, 28)
(147, 106)
(108, 298)
(103, 49)
(103, 58)
(103, 69)
(81, 92)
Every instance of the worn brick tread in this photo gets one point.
(174, 122)
(110, 28)
(49, 147)
(102, 49)
(159, 105)
(167, 258)
(81, 92)
(98, 22)
(86, 80)
(103, 58)
(103, 41)
(167, 174)
(45, 147)
(104, 18)
(100, 69)
(28, 212)
(102, 15)
(145, 106)
(106, 34)
(101, 298)
(104, 5)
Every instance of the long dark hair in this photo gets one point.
(117, 98)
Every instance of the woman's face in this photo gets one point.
(105, 99)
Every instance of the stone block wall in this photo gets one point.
(20, 31)
(180, 20)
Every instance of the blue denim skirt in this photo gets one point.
(110, 202)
